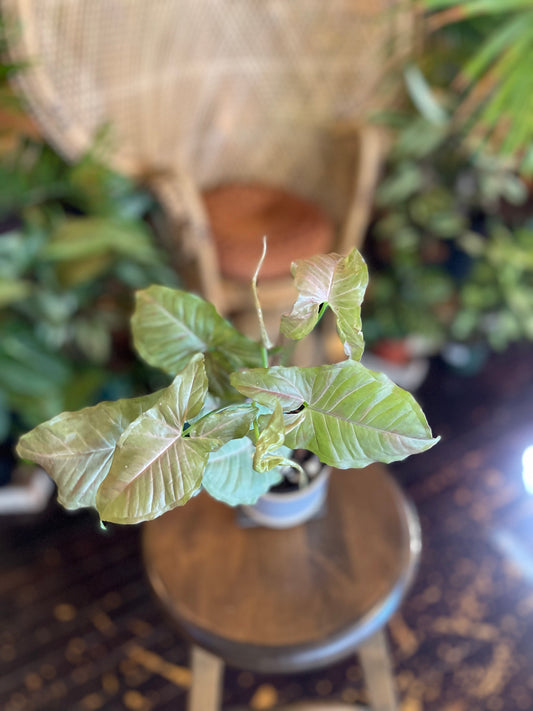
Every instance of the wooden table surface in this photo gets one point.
(286, 600)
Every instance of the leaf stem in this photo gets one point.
(265, 340)
(322, 311)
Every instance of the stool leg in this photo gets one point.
(206, 686)
(377, 670)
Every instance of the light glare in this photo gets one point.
(527, 469)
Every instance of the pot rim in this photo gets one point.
(315, 483)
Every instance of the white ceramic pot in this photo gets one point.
(286, 509)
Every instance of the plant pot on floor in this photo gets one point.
(289, 504)
(408, 375)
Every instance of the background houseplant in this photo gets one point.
(450, 245)
(74, 241)
(73, 244)
(135, 459)
(486, 47)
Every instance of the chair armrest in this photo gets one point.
(190, 238)
(367, 144)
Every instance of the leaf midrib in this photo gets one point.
(357, 423)
(149, 464)
(180, 323)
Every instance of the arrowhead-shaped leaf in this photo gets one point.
(338, 281)
(156, 466)
(347, 414)
(170, 326)
(231, 477)
(76, 448)
(130, 458)
(84, 248)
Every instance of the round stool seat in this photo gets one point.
(241, 214)
(289, 600)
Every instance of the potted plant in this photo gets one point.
(450, 243)
(233, 412)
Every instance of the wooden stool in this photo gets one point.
(290, 600)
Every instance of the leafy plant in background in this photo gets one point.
(450, 247)
(221, 423)
(73, 245)
(451, 257)
(74, 242)
(490, 52)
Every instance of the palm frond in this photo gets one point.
(496, 83)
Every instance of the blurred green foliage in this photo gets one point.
(74, 245)
(484, 50)
(452, 242)
(451, 246)
(75, 242)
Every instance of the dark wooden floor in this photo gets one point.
(79, 628)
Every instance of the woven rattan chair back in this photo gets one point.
(200, 92)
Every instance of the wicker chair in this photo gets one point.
(222, 104)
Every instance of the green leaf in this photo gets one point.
(338, 281)
(14, 290)
(231, 422)
(423, 97)
(231, 477)
(76, 448)
(406, 181)
(75, 272)
(475, 7)
(498, 98)
(271, 439)
(345, 413)
(170, 326)
(156, 466)
(86, 237)
(85, 248)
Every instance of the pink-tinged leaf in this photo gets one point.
(171, 326)
(76, 448)
(346, 414)
(337, 281)
(156, 465)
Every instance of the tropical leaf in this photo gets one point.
(112, 455)
(469, 8)
(337, 281)
(345, 413)
(81, 238)
(170, 326)
(154, 469)
(12, 290)
(498, 86)
(423, 97)
(227, 423)
(160, 460)
(85, 248)
(230, 475)
(76, 448)
(157, 465)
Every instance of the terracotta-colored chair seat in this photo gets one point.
(239, 216)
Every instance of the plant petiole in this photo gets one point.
(322, 310)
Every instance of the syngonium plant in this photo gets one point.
(229, 418)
